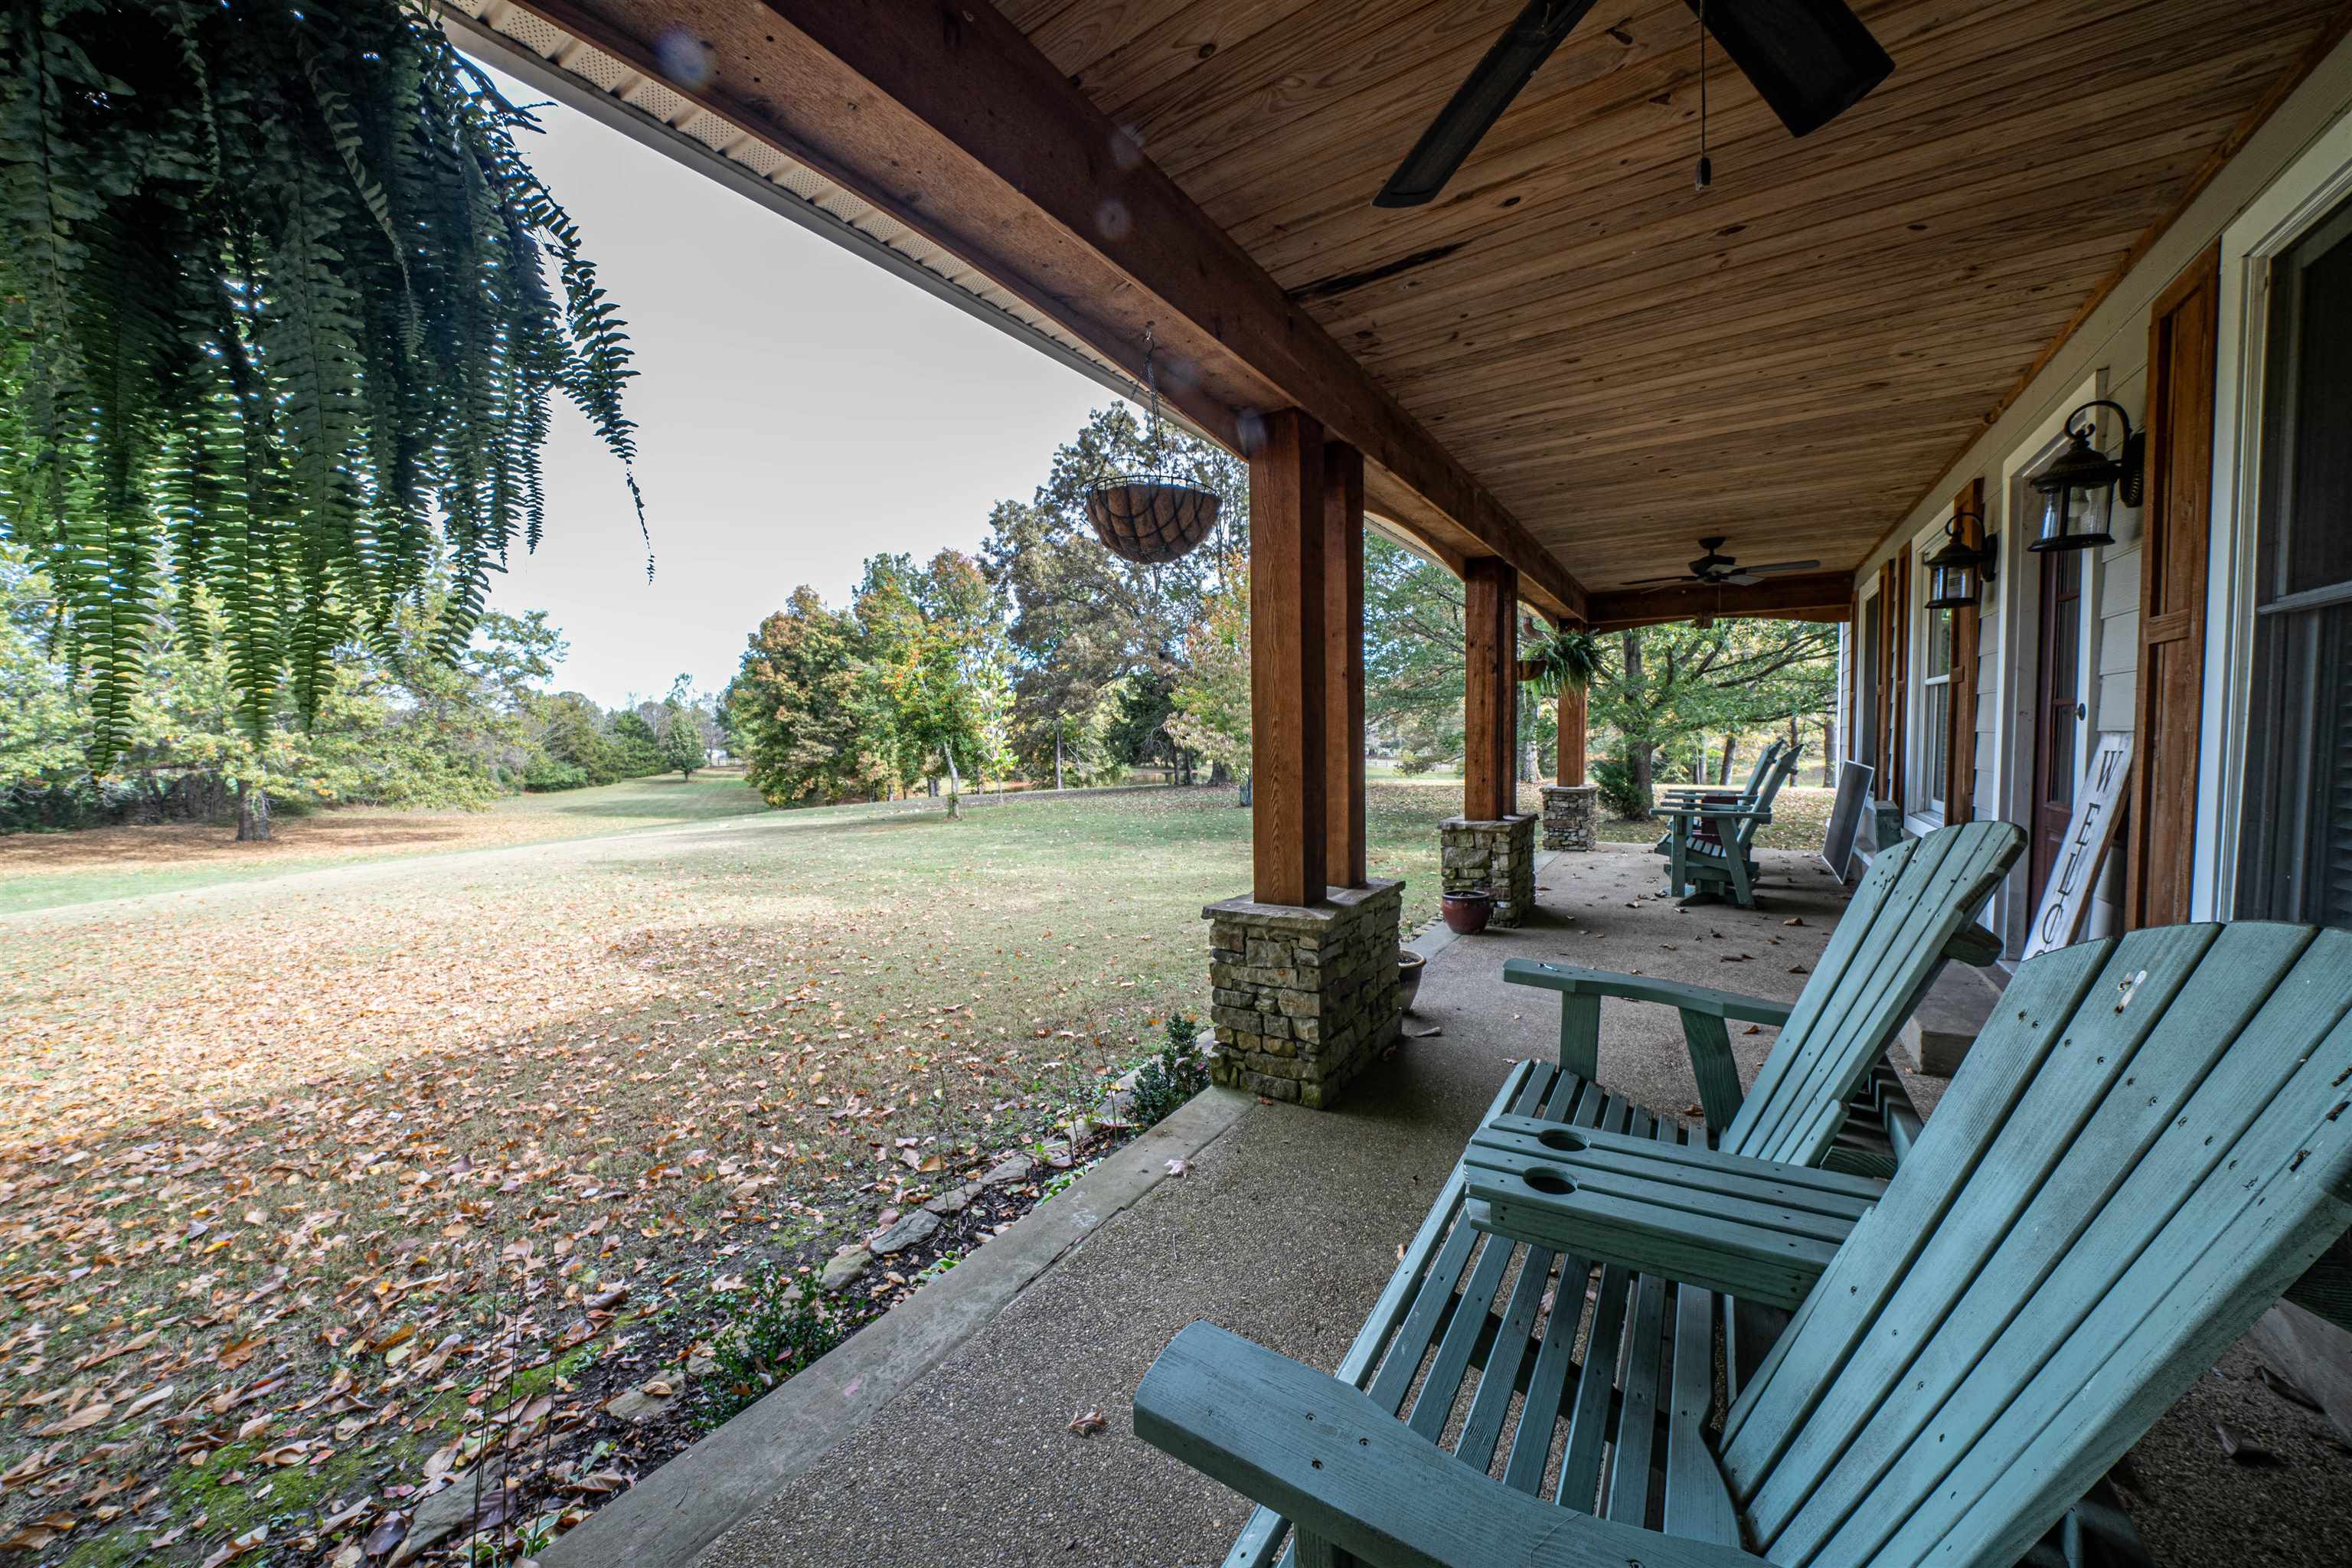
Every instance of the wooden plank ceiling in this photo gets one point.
(1789, 358)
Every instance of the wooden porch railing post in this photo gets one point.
(1490, 691)
(1287, 687)
(1572, 723)
(1343, 663)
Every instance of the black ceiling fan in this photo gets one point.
(1715, 569)
(1810, 59)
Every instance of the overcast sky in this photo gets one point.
(798, 409)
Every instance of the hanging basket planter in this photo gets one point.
(1152, 518)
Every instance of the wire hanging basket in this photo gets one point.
(1152, 517)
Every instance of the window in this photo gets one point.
(1931, 755)
(2295, 859)
(1863, 742)
(1932, 727)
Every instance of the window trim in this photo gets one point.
(2303, 194)
(1923, 812)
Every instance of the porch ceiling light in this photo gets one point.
(2078, 486)
(1958, 571)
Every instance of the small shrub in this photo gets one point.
(1172, 1077)
(784, 1324)
(544, 776)
(1625, 802)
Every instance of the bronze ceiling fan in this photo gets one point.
(1715, 568)
(1810, 59)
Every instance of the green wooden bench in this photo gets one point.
(1717, 794)
(2152, 1138)
(1913, 912)
(1710, 847)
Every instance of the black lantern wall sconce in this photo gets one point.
(1958, 571)
(2079, 486)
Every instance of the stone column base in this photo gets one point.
(1306, 997)
(1499, 856)
(1567, 815)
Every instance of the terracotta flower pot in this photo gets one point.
(1466, 913)
(1409, 967)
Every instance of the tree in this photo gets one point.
(802, 707)
(934, 639)
(1414, 663)
(279, 335)
(1212, 698)
(682, 745)
(1659, 688)
(1080, 619)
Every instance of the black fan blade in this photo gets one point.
(1811, 59)
(1480, 101)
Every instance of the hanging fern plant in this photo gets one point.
(1562, 660)
(278, 323)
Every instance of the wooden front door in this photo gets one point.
(2058, 687)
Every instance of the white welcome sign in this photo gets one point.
(2098, 800)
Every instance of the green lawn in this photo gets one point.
(48, 870)
(291, 1134)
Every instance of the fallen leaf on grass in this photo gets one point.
(1087, 1423)
(38, 1533)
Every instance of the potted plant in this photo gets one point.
(1466, 911)
(1409, 967)
(1561, 660)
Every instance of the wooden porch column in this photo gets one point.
(1572, 722)
(1490, 691)
(1288, 691)
(1343, 663)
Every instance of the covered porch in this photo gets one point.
(1555, 380)
(954, 1444)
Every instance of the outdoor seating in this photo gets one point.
(1710, 847)
(1913, 913)
(1715, 794)
(2147, 1147)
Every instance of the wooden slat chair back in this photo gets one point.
(1714, 794)
(1906, 918)
(1887, 949)
(2152, 1140)
(1708, 845)
(2147, 1147)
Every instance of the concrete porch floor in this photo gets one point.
(1284, 1228)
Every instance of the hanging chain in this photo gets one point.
(1151, 383)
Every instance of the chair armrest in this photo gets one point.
(1349, 1475)
(1756, 1229)
(1571, 981)
(1716, 813)
(1973, 944)
(1704, 1010)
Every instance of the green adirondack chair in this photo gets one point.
(1711, 849)
(1912, 913)
(1716, 795)
(2150, 1141)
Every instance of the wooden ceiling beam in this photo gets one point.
(1813, 596)
(948, 119)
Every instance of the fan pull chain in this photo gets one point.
(1705, 169)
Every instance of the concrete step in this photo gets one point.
(1958, 1005)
